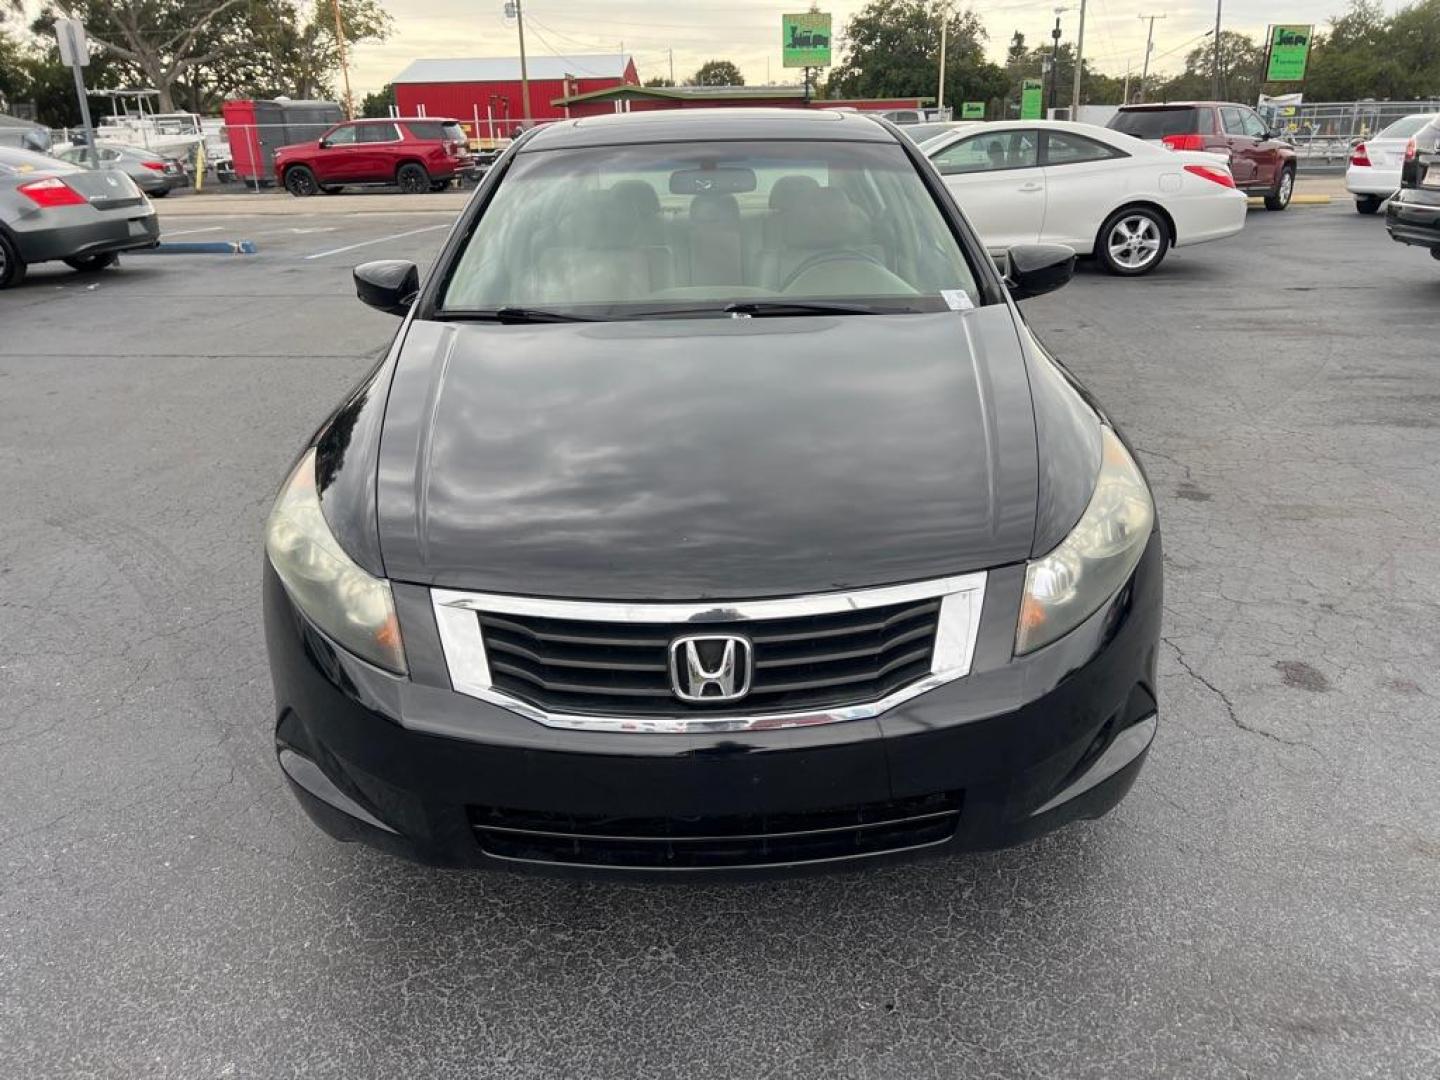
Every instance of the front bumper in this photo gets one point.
(1413, 217)
(1014, 749)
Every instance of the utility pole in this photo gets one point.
(1218, 95)
(944, 31)
(1055, 57)
(1149, 46)
(1125, 94)
(513, 7)
(344, 63)
(672, 67)
(1079, 63)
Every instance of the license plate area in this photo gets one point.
(137, 226)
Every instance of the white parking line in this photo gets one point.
(378, 240)
(190, 232)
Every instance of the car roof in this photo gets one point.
(687, 125)
(1179, 105)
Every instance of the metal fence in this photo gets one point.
(1323, 132)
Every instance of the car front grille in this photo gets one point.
(623, 668)
(741, 840)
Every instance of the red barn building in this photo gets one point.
(486, 90)
(625, 98)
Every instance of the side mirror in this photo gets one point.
(388, 285)
(1036, 269)
(324, 144)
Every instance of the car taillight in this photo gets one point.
(1214, 173)
(1183, 142)
(1410, 150)
(158, 166)
(1360, 156)
(52, 191)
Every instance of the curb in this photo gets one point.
(1298, 200)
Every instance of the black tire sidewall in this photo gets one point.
(87, 264)
(298, 171)
(14, 271)
(1368, 204)
(1272, 201)
(1102, 246)
(412, 169)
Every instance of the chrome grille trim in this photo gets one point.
(456, 616)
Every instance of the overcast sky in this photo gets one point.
(748, 31)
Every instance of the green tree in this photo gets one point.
(660, 80)
(1242, 71)
(892, 48)
(380, 102)
(717, 73)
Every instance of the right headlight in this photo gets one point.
(355, 608)
(1068, 585)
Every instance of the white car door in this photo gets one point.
(997, 180)
(1083, 176)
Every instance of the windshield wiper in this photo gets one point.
(511, 315)
(779, 308)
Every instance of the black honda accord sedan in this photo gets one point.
(714, 510)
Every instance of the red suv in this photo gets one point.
(1260, 163)
(418, 155)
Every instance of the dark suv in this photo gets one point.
(1260, 163)
(417, 155)
(1413, 215)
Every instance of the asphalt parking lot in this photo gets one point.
(1263, 905)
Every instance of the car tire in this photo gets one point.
(1279, 199)
(1367, 204)
(89, 263)
(12, 266)
(412, 179)
(1133, 241)
(329, 189)
(160, 194)
(440, 185)
(1434, 254)
(300, 181)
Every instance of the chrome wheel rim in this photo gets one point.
(1134, 242)
(1287, 185)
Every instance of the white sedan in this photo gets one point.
(1101, 192)
(1375, 164)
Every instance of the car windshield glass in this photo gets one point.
(23, 161)
(633, 231)
(1156, 123)
(1404, 128)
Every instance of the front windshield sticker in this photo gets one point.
(958, 299)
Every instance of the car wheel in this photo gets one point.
(12, 266)
(300, 181)
(1367, 204)
(1133, 241)
(1279, 199)
(1434, 254)
(160, 193)
(87, 263)
(413, 179)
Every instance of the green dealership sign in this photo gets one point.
(1289, 49)
(1032, 99)
(805, 40)
(972, 110)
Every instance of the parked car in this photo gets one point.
(153, 174)
(921, 133)
(1413, 215)
(51, 210)
(417, 155)
(1261, 163)
(714, 509)
(1374, 171)
(1123, 200)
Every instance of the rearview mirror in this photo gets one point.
(388, 285)
(1036, 269)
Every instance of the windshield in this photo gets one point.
(1157, 123)
(635, 231)
(1404, 128)
(24, 161)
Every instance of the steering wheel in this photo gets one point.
(821, 258)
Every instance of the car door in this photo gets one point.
(1265, 150)
(996, 178)
(1082, 176)
(334, 157)
(376, 152)
(1243, 152)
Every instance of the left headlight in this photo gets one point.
(1068, 585)
(352, 606)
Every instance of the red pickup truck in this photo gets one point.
(1260, 163)
(416, 154)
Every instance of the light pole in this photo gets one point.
(512, 7)
(1079, 64)
(1149, 45)
(1055, 57)
(944, 32)
(1217, 51)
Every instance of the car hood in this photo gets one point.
(707, 458)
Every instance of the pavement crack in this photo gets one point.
(1230, 709)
